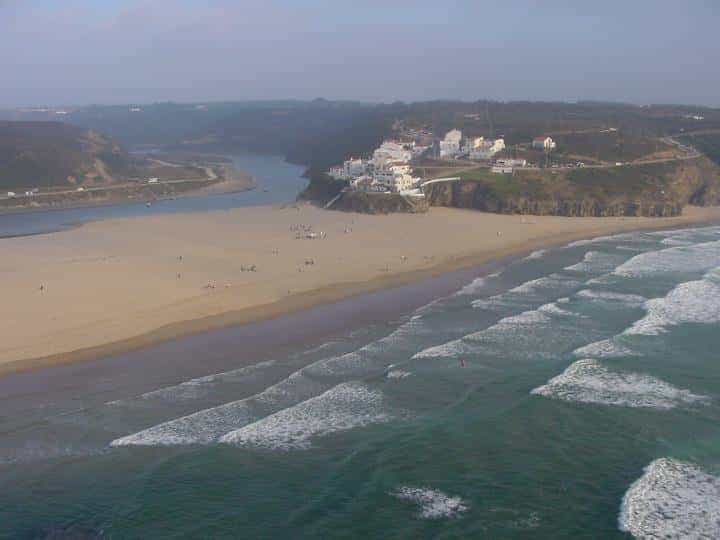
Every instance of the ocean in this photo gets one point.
(574, 393)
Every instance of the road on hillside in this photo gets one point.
(113, 187)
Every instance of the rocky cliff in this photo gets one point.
(379, 203)
(653, 190)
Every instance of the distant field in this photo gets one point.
(601, 183)
(504, 185)
(609, 146)
(627, 180)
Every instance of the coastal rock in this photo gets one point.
(379, 203)
(655, 190)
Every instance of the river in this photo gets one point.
(277, 182)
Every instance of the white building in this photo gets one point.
(511, 162)
(543, 143)
(351, 168)
(450, 145)
(388, 169)
(499, 169)
(394, 181)
(482, 149)
(391, 151)
(354, 167)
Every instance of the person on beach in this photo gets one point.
(462, 362)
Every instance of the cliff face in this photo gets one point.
(379, 203)
(653, 190)
(471, 194)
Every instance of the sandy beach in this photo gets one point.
(118, 285)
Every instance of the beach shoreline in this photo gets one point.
(216, 315)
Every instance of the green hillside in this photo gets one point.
(42, 154)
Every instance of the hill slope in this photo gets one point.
(655, 189)
(43, 154)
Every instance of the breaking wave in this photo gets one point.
(609, 297)
(433, 504)
(672, 499)
(695, 258)
(588, 381)
(595, 261)
(344, 407)
(606, 348)
(536, 255)
(208, 425)
(689, 302)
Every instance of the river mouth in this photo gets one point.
(278, 182)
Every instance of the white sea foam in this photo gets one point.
(624, 237)
(607, 348)
(473, 287)
(595, 261)
(687, 236)
(695, 258)
(536, 254)
(610, 297)
(689, 302)
(476, 285)
(551, 282)
(397, 374)
(588, 381)
(344, 407)
(465, 344)
(630, 248)
(198, 387)
(672, 499)
(208, 425)
(554, 309)
(433, 504)
(676, 242)
(525, 331)
(529, 292)
(450, 349)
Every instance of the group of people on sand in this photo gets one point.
(304, 231)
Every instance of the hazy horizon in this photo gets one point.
(81, 52)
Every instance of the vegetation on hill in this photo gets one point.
(40, 154)
(655, 189)
(609, 146)
(707, 143)
(322, 133)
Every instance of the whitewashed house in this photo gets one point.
(543, 143)
(450, 145)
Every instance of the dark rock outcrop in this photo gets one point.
(474, 195)
(379, 203)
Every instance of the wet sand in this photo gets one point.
(119, 285)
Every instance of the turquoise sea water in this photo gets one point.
(573, 394)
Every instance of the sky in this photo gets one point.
(78, 52)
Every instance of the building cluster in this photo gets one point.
(388, 169)
(29, 193)
(543, 143)
(454, 145)
(507, 166)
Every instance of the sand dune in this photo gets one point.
(120, 284)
